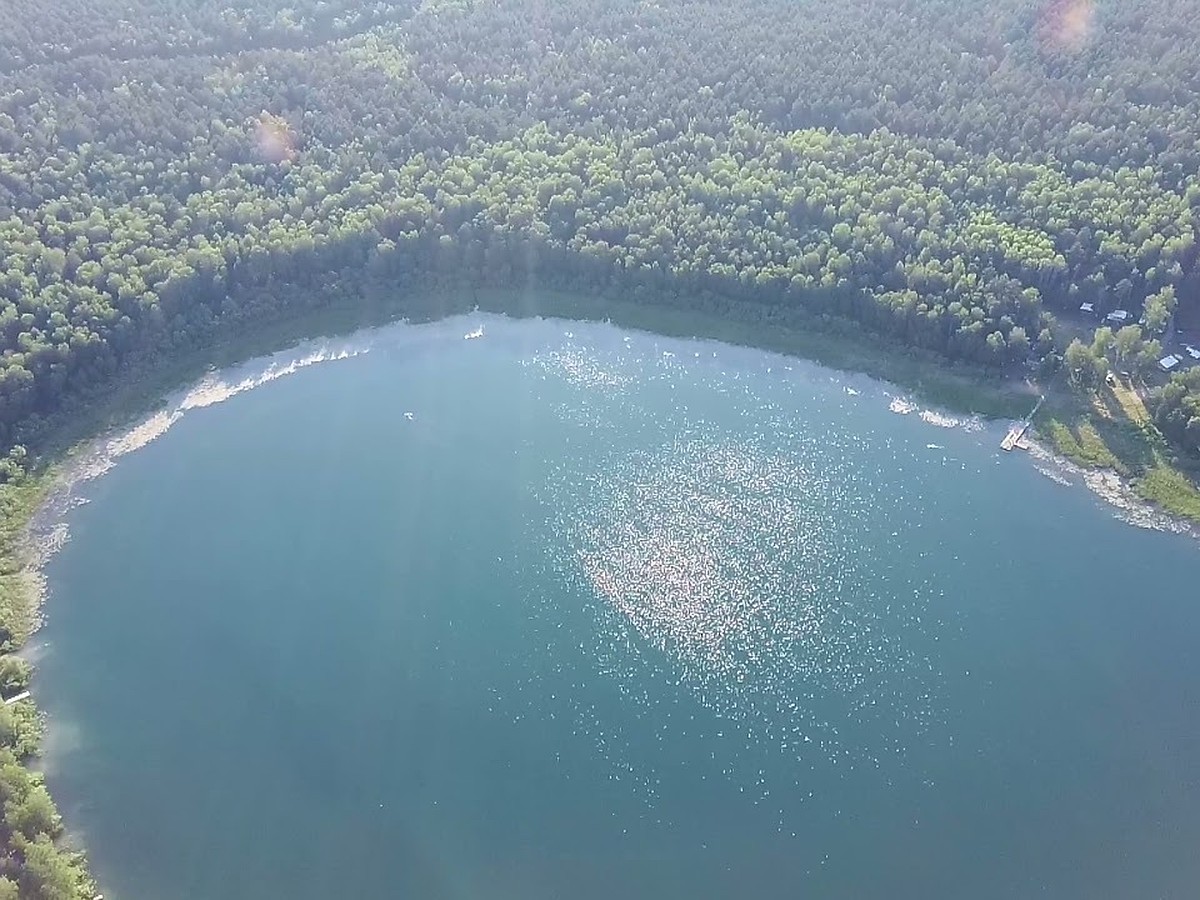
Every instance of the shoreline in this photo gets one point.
(835, 343)
(1110, 486)
(141, 409)
(132, 403)
(133, 425)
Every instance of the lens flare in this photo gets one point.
(274, 138)
(1065, 25)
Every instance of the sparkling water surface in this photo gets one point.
(571, 611)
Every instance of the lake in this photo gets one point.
(572, 611)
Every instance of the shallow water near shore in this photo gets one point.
(567, 610)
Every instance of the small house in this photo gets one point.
(1167, 363)
(1088, 308)
(1118, 316)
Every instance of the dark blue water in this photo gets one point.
(611, 615)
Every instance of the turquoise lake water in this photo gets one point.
(574, 612)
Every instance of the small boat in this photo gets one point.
(474, 335)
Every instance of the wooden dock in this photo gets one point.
(1012, 440)
(1016, 435)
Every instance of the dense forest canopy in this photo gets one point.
(955, 176)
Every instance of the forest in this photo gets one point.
(955, 177)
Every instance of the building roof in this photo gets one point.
(1169, 362)
(1193, 353)
(1119, 315)
(1087, 307)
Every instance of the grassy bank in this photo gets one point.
(1111, 429)
(18, 501)
(33, 861)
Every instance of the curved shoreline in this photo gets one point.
(43, 533)
(1113, 488)
(44, 530)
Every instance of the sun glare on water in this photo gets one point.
(728, 565)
